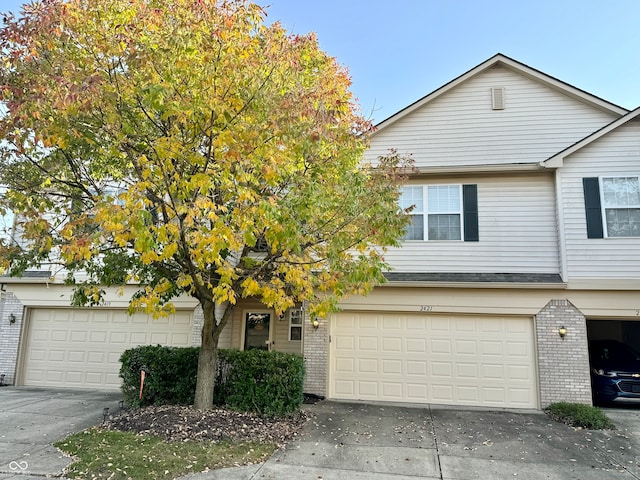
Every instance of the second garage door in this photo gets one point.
(81, 348)
(455, 360)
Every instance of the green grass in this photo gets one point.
(580, 415)
(118, 455)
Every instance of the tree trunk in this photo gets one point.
(208, 359)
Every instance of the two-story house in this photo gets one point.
(524, 244)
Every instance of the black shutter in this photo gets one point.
(592, 207)
(470, 212)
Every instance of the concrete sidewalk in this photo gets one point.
(369, 442)
(31, 420)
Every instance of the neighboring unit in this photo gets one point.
(526, 219)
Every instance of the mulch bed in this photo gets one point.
(180, 423)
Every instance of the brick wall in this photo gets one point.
(316, 356)
(9, 335)
(198, 322)
(563, 364)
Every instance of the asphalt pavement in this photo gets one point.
(346, 441)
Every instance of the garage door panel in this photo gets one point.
(494, 395)
(416, 368)
(440, 346)
(392, 344)
(441, 369)
(433, 359)
(82, 347)
(416, 345)
(392, 367)
(98, 337)
(466, 347)
(74, 356)
(160, 338)
(179, 338)
(368, 344)
(467, 371)
(442, 393)
(492, 372)
(392, 390)
(367, 366)
(416, 392)
(368, 389)
(490, 348)
(55, 356)
(416, 324)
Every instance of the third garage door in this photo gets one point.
(454, 360)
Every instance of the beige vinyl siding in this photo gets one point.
(615, 154)
(516, 221)
(281, 337)
(460, 127)
(226, 339)
(279, 329)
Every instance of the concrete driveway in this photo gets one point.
(369, 442)
(354, 442)
(32, 419)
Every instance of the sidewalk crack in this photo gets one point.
(435, 442)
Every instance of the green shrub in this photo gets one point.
(170, 375)
(268, 383)
(579, 415)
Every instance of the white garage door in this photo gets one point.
(454, 360)
(81, 348)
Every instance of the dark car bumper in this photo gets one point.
(607, 389)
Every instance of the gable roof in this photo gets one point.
(503, 60)
(558, 159)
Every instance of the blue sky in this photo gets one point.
(398, 51)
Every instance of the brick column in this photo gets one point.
(316, 356)
(198, 322)
(563, 363)
(9, 335)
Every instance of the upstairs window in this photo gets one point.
(612, 206)
(621, 206)
(441, 212)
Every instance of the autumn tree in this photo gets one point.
(188, 147)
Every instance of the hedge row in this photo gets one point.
(268, 383)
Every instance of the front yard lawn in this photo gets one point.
(111, 454)
(169, 441)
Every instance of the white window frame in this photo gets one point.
(428, 211)
(298, 315)
(604, 207)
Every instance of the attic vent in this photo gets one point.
(497, 98)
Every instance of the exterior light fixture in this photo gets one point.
(12, 318)
(562, 331)
(316, 324)
(105, 414)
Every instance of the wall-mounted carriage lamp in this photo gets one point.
(316, 324)
(12, 318)
(562, 331)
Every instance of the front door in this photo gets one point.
(257, 327)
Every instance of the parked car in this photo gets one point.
(615, 372)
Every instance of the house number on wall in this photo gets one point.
(426, 308)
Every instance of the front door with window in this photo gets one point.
(257, 330)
